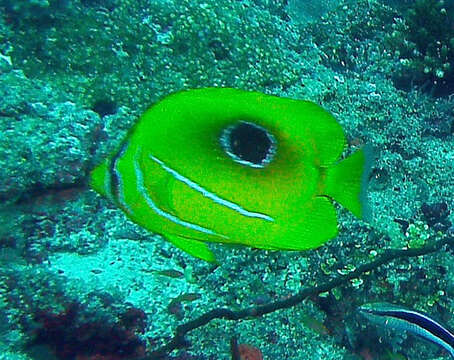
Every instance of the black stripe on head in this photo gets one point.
(423, 321)
(115, 176)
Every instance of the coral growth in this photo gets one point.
(436, 215)
(72, 338)
(424, 41)
(249, 352)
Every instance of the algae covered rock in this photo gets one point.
(423, 40)
(44, 139)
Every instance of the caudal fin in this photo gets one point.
(346, 181)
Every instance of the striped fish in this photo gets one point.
(235, 167)
(400, 318)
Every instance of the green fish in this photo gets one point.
(235, 167)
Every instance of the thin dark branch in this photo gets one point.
(178, 341)
(234, 349)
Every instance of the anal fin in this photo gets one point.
(196, 248)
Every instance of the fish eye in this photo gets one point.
(249, 144)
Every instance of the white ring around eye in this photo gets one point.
(225, 143)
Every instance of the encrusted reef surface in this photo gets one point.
(80, 281)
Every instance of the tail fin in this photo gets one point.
(346, 181)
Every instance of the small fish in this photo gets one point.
(399, 318)
(314, 324)
(186, 297)
(171, 273)
(234, 167)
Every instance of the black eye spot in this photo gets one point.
(249, 144)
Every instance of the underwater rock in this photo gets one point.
(436, 215)
(45, 142)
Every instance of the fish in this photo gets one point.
(224, 165)
(416, 323)
(175, 274)
(186, 297)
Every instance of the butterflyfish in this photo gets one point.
(236, 167)
(403, 319)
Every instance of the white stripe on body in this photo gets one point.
(120, 188)
(119, 192)
(428, 332)
(209, 194)
(144, 192)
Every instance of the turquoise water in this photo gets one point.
(80, 281)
